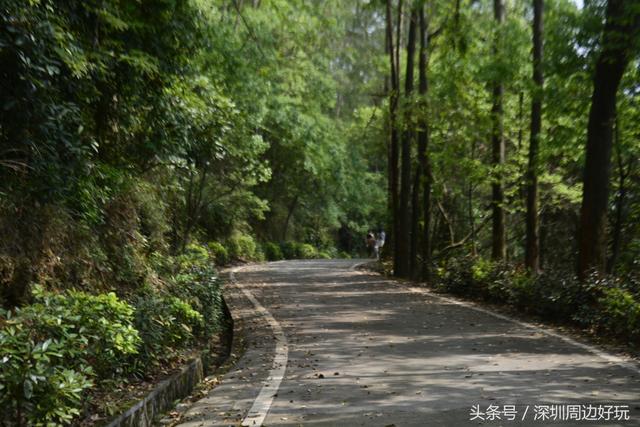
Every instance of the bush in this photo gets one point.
(289, 250)
(165, 324)
(219, 253)
(552, 294)
(324, 255)
(194, 255)
(103, 321)
(457, 277)
(35, 386)
(620, 314)
(272, 251)
(296, 250)
(202, 289)
(242, 247)
(52, 348)
(306, 251)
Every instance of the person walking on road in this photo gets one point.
(371, 244)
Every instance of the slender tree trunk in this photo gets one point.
(399, 24)
(618, 38)
(532, 249)
(499, 246)
(620, 203)
(404, 209)
(423, 147)
(414, 262)
(416, 209)
(472, 220)
(292, 207)
(393, 156)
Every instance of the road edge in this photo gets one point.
(262, 403)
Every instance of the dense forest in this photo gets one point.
(144, 143)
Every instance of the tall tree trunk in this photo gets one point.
(404, 209)
(532, 249)
(414, 262)
(620, 202)
(499, 246)
(618, 38)
(393, 137)
(423, 146)
(290, 210)
(399, 25)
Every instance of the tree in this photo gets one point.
(532, 244)
(422, 179)
(499, 245)
(619, 38)
(404, 208)
(393, 153)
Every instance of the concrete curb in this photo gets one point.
(162, 397)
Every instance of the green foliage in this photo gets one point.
(104, 321)
(306, 251)
(219, 253)
(166, 324)
(242, 247)
(52, 348)
(605, 304)
(199, 286)
(289, 250)
(620, 314)
(272, 251)
(194, 256)
(297, 250)
(34, 381)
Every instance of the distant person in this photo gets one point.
(380, 242)
(371, 244)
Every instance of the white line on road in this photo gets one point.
(263, 402)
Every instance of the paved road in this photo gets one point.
(357, 349)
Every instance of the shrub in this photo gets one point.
(35, 386)
(219, 253)
(165, 324)
(324, 255)
(296, 250)
(242, 247)
(306, 251)
(52, 348)
(272, 251)
(289, 250)
(202, 289)
(456, 276)
(103, 321)
(194, 255)
(551, 294)
(185, 320)
(620, 313)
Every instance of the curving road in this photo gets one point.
(328, 345)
